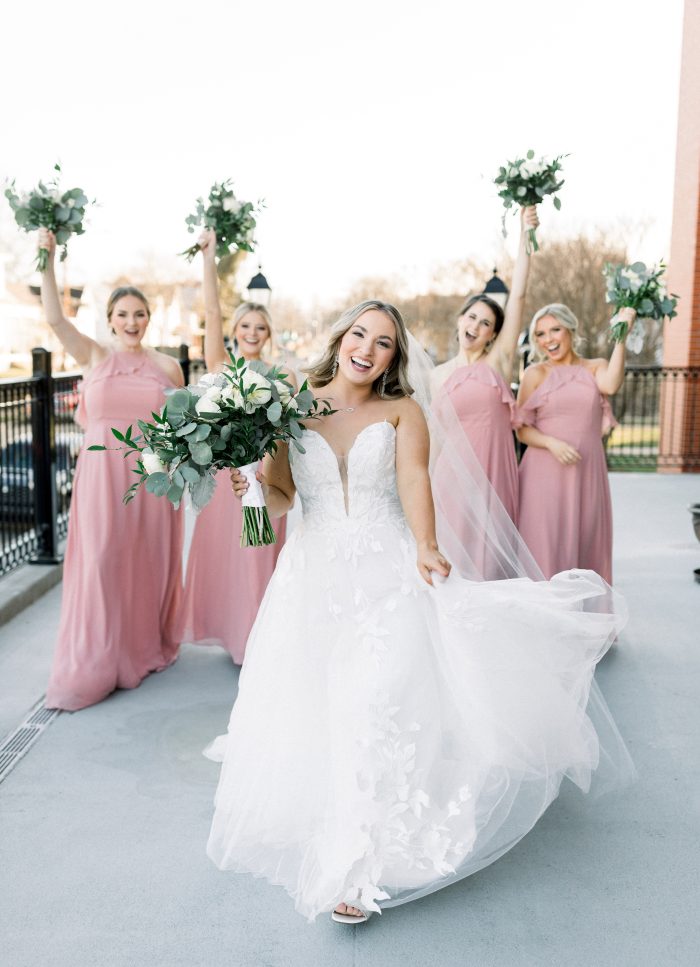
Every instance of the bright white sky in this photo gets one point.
(372, 128)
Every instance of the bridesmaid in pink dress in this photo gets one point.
(475, 383)
(565, 507)
(225, 583)
(122, 572)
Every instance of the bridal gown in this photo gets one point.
(388, 737)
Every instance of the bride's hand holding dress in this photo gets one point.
(394, 733)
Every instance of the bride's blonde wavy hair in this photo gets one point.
(397, 384)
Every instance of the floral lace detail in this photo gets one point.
(371, 482)
(398, 825)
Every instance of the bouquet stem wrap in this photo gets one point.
(257, 530)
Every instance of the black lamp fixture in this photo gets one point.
(258, 289)
(496, 289)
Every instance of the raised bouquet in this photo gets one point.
(527, 182)
(46, 206)
(232, 220)
(640, 288)
(228, 419)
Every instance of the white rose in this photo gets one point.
(211, 379)
(262, 392)
(213, 393)
(152, 463)
(206, 405)
(285, 391)
(232, 204)
(634, 280)
(292, 404)
(228, 392)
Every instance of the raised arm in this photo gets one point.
(84, 350)
(610, 374)
(215, 354)
(503, 351)
(413, 480)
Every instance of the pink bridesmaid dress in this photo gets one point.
(485, 407)
(225, 582)
(566, 511)
(122, 572)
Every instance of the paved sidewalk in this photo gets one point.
(103, 824)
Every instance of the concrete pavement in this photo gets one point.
(103, 824)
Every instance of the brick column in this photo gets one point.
(680, 410)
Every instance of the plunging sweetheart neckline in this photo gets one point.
(346, 456)
(342, 461)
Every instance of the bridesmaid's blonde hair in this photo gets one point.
(563, 315)
(243, 309)
(397, 384)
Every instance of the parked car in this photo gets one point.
(17, 475)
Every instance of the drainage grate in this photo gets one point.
(19, 742)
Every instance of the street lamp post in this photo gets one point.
(496, 289)
(258, 290)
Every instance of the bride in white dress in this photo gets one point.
(396, 729)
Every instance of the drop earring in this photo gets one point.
(382, 385)
(334, 370)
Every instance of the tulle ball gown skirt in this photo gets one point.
(390, 738)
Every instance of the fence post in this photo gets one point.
(44, 461)
(184, 360)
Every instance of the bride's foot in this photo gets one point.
(344, 913)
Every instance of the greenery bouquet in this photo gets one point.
(527, 182)
(228, 419)
(640, 288)
(232, 220)
(46, 206)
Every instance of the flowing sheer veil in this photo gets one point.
(483, 544)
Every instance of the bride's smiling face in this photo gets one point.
(368, 348)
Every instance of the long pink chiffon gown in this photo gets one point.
(122, 573)
(485, 407)
(224, 582)
(566, 511)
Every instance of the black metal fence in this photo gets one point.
(658, 410)
(39, 444)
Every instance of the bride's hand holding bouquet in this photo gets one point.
(228, 419)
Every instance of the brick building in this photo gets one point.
(680, 402)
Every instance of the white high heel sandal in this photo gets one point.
(348, 918)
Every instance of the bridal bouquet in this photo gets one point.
(228, 419)
(527, 182)
(642, 289)
(47, 207)
(232, 220)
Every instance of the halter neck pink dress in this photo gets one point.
(122, 572)
(224, 582)
(485, 407)
(566, 511)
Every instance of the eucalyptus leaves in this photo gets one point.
(232, 220)
(47, 207)
(228, 419)
(640, 288)
(527, 182)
